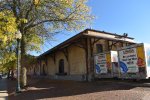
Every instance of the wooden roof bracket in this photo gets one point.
(53, 56)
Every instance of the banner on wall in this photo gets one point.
(100, 64)
(131, 59)
(103, 62)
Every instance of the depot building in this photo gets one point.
(73, 59)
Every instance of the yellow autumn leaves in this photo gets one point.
(8, 26)
(36, 2)
(66, 2)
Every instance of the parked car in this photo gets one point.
(0, 76)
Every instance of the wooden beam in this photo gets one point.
(95, 40)
(113, 44)
(92, 56)
(80, 46)
(86, 57)
(45, 60)
(40, 68)
(71, 43)
(65, 51)
(53, 56)
(108, 45)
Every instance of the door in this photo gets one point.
(61, 66)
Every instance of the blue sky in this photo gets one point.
(116, 16)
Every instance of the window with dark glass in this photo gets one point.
(99, 48)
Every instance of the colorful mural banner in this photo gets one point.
(101, 67)
(103, 63)
(141, 56)
(131, 59)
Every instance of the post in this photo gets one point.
(18, 89)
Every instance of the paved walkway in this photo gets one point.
(3, 89)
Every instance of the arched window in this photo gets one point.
(61, 66)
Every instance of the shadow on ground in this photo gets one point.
(53, 88)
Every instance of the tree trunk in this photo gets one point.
(23, 51)
(23, 60)
(12, 74)
(8, 75)
(23, 77)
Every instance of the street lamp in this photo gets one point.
(18, 37)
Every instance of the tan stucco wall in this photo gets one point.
(51, 66)
(60, 55)
(45, 67)
(76, 63)
(77, 60)
(35, 67)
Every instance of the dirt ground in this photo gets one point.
(72, 90)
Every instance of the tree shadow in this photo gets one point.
(3, 89)
(56, 88)
(3, 84)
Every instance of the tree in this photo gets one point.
(40, 20)
(8, 27)
(7, 61)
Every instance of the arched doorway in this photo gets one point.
(61, 66)
(44, 71)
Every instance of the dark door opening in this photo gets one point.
(61, 66)
(44, 72)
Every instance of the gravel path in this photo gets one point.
(71, 90)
